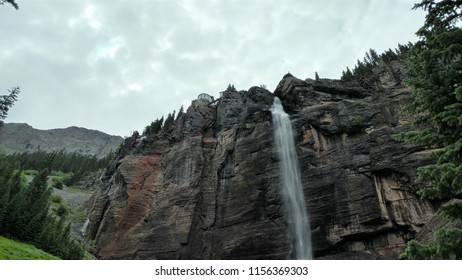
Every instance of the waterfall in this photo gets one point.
(299, 226)
(84, 227)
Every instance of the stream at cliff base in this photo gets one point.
(299, 226)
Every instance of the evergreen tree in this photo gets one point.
(436, 79)
(78, 165)
(169, 122)
(374, 57)
(6, 101)
(155, 127)
(231, 88)
(158, 125)
(36, 198)
(347, 75)
(180, 113)
(13, 221)
(8, 186)
(25, 214)
(12, 2)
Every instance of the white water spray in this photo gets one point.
(299, 225)
(84, 227)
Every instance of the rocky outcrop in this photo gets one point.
(19, 138)
(209, 189)
(358, 179)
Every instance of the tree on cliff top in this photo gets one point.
(12, 2)
(436, 79)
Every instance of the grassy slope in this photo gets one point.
(12, 250)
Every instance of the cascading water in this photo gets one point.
(84, 227)
(299, 225)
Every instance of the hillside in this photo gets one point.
(12, 250)
(17, 138)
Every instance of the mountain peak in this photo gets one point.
(21, 137)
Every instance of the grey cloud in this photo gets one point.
(117, 65)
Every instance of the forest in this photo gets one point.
(77, 164)
(25, 214)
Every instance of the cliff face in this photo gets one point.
(210, 188)
(18, 138)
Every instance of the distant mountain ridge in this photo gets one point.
(21, 137)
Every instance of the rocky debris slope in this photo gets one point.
(209, 189)
(18, 138)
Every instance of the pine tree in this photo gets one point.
(347, 75)
(6, 101)
(231, 88)
(12, 2)
(158, 125)
(180, 113)
(25, 214)
(155, 127)
(436, 79)
(374, 57)
(5, 193)
(37, 199)
(13, 221)
(169, 122)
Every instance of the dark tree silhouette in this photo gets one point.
(6, 101)
(12, 2)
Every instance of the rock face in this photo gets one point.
(18, 138)
(209, 189)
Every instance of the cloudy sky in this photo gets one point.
(117, 65)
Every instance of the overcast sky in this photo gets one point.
(116, 66)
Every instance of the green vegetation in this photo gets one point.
(436, 79)
(31, 172)
(79, 215)
(163, 125)
(155, 127)
(169, 122)
(26, 215)
(316, 76)
(13, 250)
(59, 207)
(231, 88)
(68, 168)
(363, 71)
(6, 101)
(60, 179)
(180, 113)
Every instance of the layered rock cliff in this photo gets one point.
(209, 189)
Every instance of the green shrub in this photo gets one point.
(79, 215)
(31, 172)
(58, 184)
(62, 210)
(56, 198)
